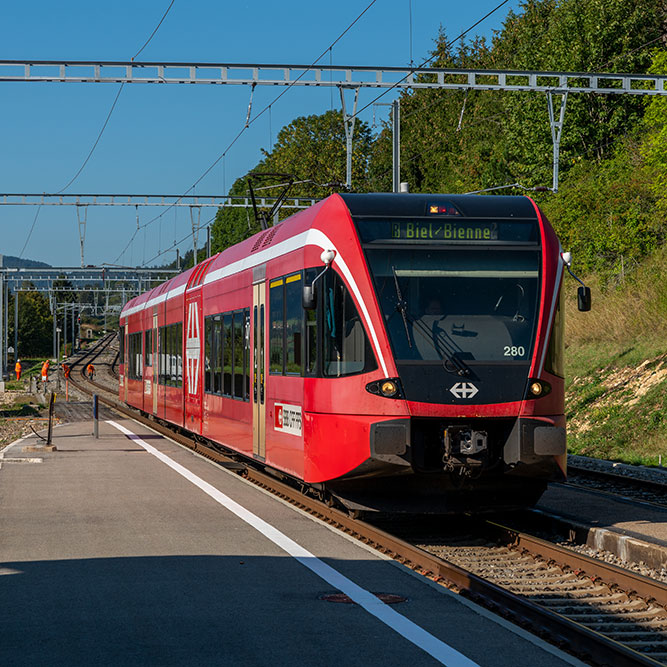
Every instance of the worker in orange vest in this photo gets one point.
(18, 368)
(66, 371)
(90, 370)
(45, 374)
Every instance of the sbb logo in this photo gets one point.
(279, 416)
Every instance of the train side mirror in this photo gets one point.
(309, 294)
(584, 299)
(583, 293)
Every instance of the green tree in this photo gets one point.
(313, 150)
(454, 141)
(654, 148)
(35, 325)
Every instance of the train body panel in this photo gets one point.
(429, 363)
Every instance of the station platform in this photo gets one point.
(132, 550)
(634, 531)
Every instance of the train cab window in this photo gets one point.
(148, 347)
(276, 326)
(346, 349)
(310, 329)
(555, 361)
(121, 352)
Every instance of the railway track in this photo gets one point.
(600, 612)
(612, 484)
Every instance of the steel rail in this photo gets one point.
(655, 486)
(562, 631)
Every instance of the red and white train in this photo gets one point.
(394, 351)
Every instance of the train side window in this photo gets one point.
(246, 354)
(208, 356)
(160, 355)
(293, 324)
(346, 349)
(179, 354)
(171, 357)
(135, 356)
(166, 355)
(276, 326)
(310, 328)
(148, 348)
(217, 354)
(121, 352)
(238, 321)
(227, 355)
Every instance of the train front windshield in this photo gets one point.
(456, 305)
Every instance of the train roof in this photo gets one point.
(359, 205)
(470, 206)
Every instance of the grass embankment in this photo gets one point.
(616, 365)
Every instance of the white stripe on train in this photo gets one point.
(311, 237)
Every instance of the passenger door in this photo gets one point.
(258, 370)
(156, 362)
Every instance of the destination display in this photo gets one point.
(440, 230)
(449, 231)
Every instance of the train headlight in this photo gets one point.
(389, 388)
(537, 388)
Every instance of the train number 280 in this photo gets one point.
(514, 350)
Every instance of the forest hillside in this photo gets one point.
(609, 210)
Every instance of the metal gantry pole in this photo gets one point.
(3, 350)
(348, 122)
(556, 131)
(82, 220)
(7, 326)
(195, 233)
(54, 308)
(16, 324)
(396, 145)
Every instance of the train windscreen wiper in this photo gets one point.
(438, 341)
(401, 306)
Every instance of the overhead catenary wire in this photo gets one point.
(101, 132)
(32, 227)
(428, 60)
(113, 105)
(252, 120)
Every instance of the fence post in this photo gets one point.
(96, 431)
(52, 402)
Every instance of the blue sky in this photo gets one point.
(160, 139)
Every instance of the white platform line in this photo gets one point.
(406, 628)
